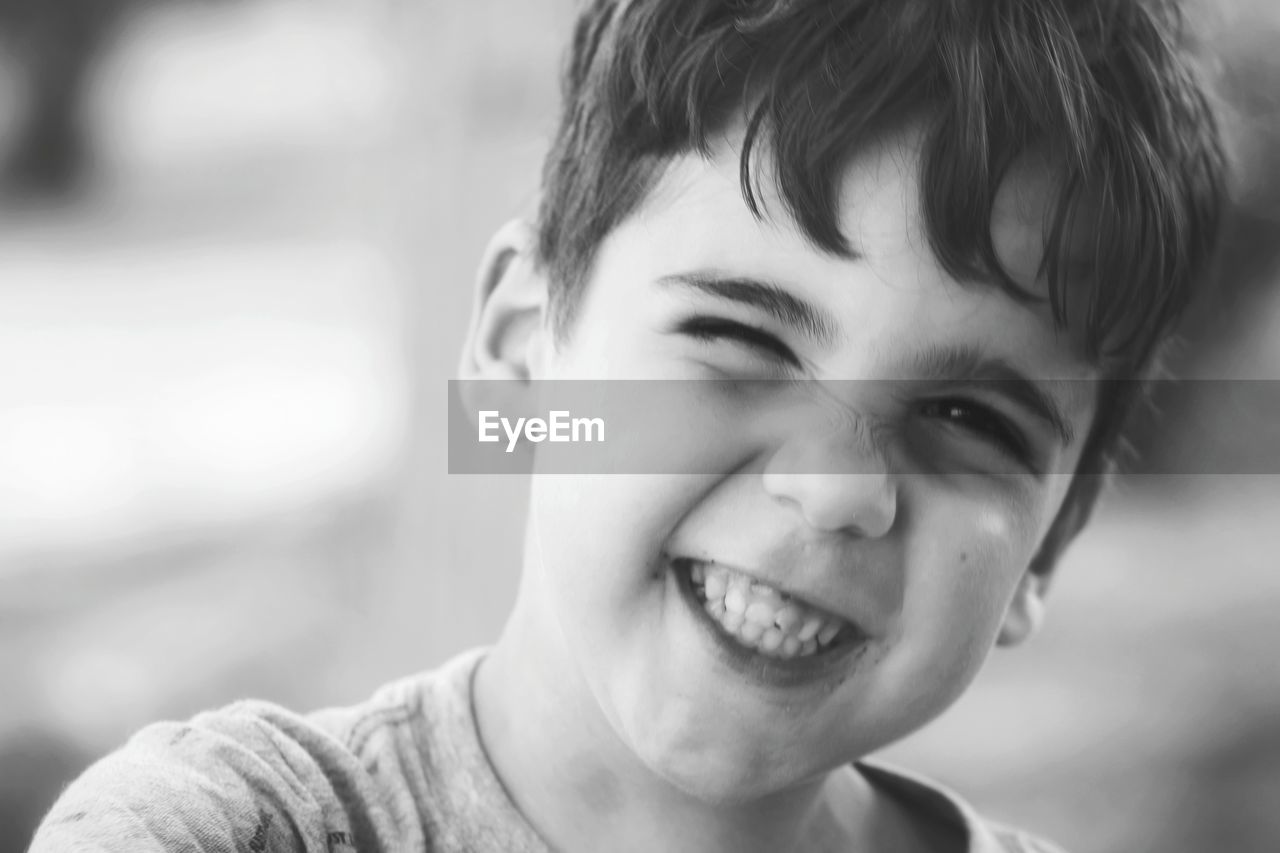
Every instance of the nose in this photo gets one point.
(838, 482)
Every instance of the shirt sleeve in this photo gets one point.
(250, 778)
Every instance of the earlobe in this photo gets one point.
(506, 332)
(1025, 612)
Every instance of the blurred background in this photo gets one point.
(237, 240)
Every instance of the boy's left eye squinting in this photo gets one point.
(982, 422)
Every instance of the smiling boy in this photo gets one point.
(975, 223)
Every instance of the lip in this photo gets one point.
(820, 671)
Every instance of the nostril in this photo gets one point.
(862, 504)
(838, 482)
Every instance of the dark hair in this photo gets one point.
(1105, 88)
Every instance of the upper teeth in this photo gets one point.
(761, 617)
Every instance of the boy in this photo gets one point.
(996, 210)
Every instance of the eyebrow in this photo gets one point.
(767, 296)
(968, 363)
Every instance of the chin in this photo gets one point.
(723, 776)
(718, 789)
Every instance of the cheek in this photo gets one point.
(599, 541)
(963, 576)
(990, 562)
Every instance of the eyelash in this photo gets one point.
(983, 421)
(707, 328)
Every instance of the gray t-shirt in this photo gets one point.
(404, 771)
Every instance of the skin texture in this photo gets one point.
(605, 706)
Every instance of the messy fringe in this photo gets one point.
(1105, 89)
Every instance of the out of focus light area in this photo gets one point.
(237, 241)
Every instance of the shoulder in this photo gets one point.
(931, 802)
(251, 776)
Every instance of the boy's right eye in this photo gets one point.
(708, 328)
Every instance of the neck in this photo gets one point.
(582, 788)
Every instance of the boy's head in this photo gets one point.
(932, 191)
(1100, 91)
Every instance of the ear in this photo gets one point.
(1025, 612)
(507, 337)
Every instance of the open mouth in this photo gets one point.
(760, 618)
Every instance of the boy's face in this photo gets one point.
(918, 550)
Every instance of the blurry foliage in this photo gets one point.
(53, 48)
(1240, 304)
